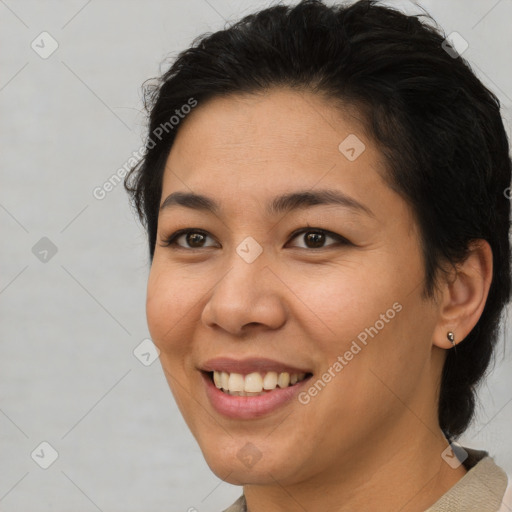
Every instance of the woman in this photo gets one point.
(323, 191)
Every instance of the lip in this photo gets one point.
(250, 407)
(249, 365)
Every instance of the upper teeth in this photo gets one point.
(254, 382)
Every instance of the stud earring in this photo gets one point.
(451, 337)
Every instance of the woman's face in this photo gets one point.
(300, 261)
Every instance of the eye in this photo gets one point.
(189, 239)
(315, 238)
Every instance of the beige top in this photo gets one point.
(481, 489)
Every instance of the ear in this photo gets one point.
(462, 295)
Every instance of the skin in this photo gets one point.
(370, 440)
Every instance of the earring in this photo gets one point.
(451, 337)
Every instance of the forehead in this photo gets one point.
(271, 140)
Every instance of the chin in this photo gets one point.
(240, 462)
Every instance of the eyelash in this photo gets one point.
(172, 239)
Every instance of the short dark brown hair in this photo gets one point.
(438, 126)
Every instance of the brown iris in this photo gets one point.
(314, 239)
(195, 239)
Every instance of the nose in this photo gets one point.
(249, 296)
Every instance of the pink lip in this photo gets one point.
(250, 407)
(248, 365)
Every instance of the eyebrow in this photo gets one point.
(280, 204)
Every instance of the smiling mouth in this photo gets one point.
(256, 383)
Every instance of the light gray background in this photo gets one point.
(69, 326)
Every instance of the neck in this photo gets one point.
(403, 473)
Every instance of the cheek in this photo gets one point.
(368, 313)
(170, 316)
(169, 304)
(343, 300)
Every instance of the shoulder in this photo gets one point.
(506, 504)
(482, 489)
(238, 506)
